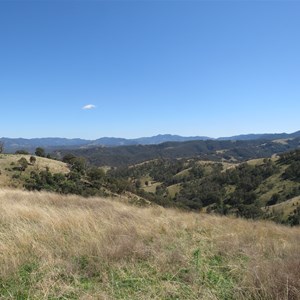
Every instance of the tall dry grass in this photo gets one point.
(67, 247)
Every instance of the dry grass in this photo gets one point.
(67, 247)
(173, 189)
(151, 188)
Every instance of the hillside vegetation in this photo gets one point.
(252, 189)
(216, 150)
(13, 175)
(68, 247)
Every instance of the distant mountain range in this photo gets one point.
(13, 144)
(263, 136)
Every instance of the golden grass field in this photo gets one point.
(68, 247)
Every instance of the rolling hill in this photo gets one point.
(257, 188)
(216, 150)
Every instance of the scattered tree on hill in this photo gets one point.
(79, 165)
(32, 160)
(1, 147)
(23, 163)
(40, 152)
(68, 158)
(138, 184)
(95, 174)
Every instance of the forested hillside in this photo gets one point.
(251, 189)
(210, 150)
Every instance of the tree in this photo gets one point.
(79, 165)
(40, 152)
(68, 158)
(95, 174)
(138, 183)
(32, 160)
(23, 163)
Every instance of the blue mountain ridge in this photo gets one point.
(13, 144)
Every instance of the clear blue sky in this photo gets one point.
(212, 68)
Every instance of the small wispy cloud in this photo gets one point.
(89, 106)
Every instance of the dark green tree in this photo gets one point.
(68, 158)
(32, 160)
(40, 152)
(79, 165)
(95, 174)
(23, 163)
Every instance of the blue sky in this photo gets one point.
(213, 68)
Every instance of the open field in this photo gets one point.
(68, 247)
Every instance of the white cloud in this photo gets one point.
(89, 106)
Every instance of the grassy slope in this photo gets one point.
(9, 161)
(55, 247)
(284, 209)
